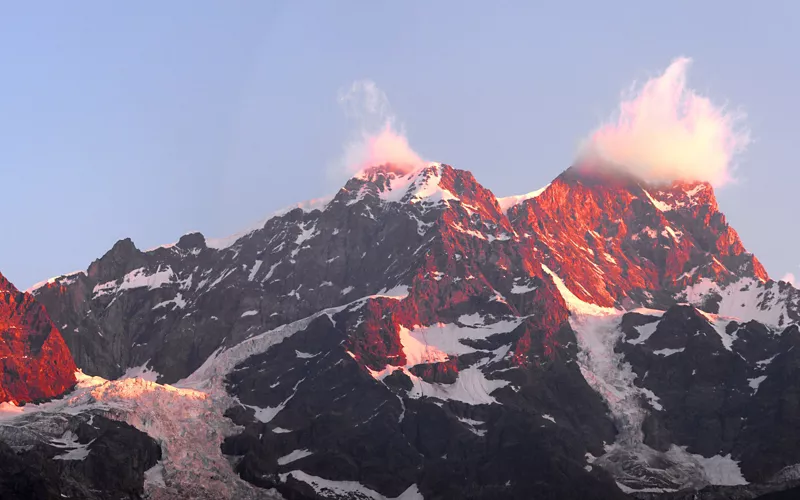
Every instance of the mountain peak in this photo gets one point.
(611, 235)
(34, 360)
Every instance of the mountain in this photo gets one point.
(416, 337)
(54, 454)
(35, 363)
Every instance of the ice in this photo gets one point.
(64, 279)
(652, 399)
(421, 185)
(306, 233)
(436, 342)
(472, 426)
(293, 456)
(520, 289)
(266, 415)
(471, 387)
(137, 278)
(574, 303)
(76, 450)
(509, 201)
(142, 372)
(719, 470)
(271, 270)
(255, 269)
(658, 204)
(765, 362)
(597, 330)
(720, 325)
(249, 313)
(179, 302)
(746, 299)
(154, 476)
(548, 417)
(397, 292)
(645, 332)
(668, 352)
(188, 424)
(351, 490)
(474, 319)
(755, 382)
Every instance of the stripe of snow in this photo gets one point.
(509, 201)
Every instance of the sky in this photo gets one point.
(151, 119)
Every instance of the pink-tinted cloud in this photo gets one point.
(789, 278)
(377, 140)
(667, 131)
(388, 148)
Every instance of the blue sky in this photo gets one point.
(152, 119)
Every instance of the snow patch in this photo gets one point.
(138, 278)
(755, 382)
(294, 456)
(668, 352)
(507, 202)
(397, 292)
(69, 441)
(645, 332)
(142, 372)
(326, 488)
(63, 280)
(255, 269)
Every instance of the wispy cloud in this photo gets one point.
(376, 139)
(665, 131)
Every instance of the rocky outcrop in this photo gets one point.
(91, 458)
(613, 237)
(35, 364)
(723, 388)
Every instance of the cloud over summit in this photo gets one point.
(666, 131)
(377, 139)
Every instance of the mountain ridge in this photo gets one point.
(462, 337)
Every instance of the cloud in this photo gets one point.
(789, 278)
(376, 138)
(666, 131)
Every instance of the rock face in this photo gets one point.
(35, 363)
(415, 337)
(91, 457)
(613, 237)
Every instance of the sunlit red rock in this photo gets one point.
(611, 237)
(35, 363)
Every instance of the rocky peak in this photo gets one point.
(192, 241)
(619, 237)
(122, 257)
(34, 360)
(684, 196)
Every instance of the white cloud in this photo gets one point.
(377, 139)
(666, 131)
(789, 278)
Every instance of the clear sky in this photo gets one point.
(151, 119)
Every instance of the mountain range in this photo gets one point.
(415, 337)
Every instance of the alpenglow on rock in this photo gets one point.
(415, 337)
(35, 363)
